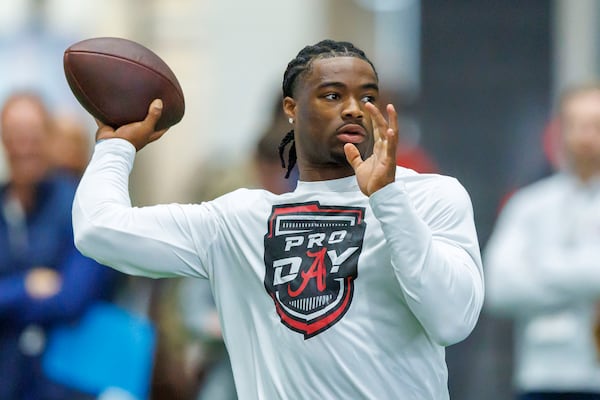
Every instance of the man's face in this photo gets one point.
(24, 133)
(580, 122)
(329, 110)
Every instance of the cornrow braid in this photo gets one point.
(289, 137)
(298, 67)
(324, 49)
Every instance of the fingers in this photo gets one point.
(154, 113)
(385, 130)
(137, 133)
(374, 111)
(352, 155)
(392, 117)
(380, 125)
(392, 131)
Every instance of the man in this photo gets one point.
(348, 287)
(543, 263)
(44, 280)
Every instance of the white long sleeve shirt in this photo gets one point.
(543, 268)
(322, 292)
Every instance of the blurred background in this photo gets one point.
(475, 82)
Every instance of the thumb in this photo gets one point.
(352, 155)
(154, 113)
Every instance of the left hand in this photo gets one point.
(379, 169)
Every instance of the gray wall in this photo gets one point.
(485, 99)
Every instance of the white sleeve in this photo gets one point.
(436, 257)
(525, 274)
(155, 241)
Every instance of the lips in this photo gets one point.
(351, 133)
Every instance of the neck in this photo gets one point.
(320, 173)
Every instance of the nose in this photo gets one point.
(353, 109)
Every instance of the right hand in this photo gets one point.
(139, 133)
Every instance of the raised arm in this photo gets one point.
(436, 260)
(150, 241)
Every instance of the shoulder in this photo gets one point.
(243, 194)
(242, 200)
(433, 188)
(537, 195)
(542, 187)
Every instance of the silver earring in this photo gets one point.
(291, 120)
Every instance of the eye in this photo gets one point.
(332, 96)
(368, 99)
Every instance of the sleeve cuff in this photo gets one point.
(116, 147)
(387, 195)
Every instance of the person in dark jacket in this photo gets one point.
(44, 280)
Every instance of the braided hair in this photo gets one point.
(298, 67)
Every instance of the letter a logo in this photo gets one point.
(311, 258)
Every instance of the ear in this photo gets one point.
(289, 107)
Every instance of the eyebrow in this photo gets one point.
(372, 86)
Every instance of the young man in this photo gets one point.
(543, 263)
(348, 287)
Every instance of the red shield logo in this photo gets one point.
(311, 258)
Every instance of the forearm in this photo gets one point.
(522, 278)
(440, 274)
(513, 287)
(80, 281)
(149, 241)
(572, 271)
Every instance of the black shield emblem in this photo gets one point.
(311, 258)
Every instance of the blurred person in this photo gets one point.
(200, 318)
(69, 151)
(44, 280)
(298, 318)
(70, 145)
(543, 262)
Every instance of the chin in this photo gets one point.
(340, 159)
(365, 151)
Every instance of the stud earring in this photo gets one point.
(291, 120)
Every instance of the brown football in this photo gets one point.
(116, 79)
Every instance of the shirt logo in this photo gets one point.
(311, 258)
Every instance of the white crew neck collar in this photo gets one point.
(347, 184)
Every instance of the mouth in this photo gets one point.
(351, 133)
